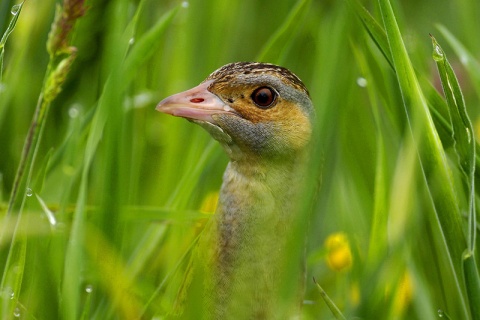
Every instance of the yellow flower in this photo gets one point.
(209, 204)
(355, 296)
(339, 256)
(404, 294)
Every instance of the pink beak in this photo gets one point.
(197, 104)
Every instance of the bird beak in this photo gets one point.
(196, 104)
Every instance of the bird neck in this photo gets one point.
(263, 183)
(257, 205)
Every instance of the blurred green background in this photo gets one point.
(129, 188)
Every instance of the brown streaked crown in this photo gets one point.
(230, 71)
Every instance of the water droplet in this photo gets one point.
(464, 59)
(73, 112)
(16, 9)
(440, 313)
(131, 41)
(29, 192)
(89, 288)
(9, 293)
(142, 100)
(469, 135)
(16, 312)
(49, 213)
(185, 4)
(437, 53)
(362, 82)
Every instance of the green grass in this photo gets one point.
(102, 207)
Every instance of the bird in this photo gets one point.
(263, 117)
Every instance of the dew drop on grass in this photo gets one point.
(89, 288)
(7, 293)
(131, 41)
(440, 313)
(16, 9)
(185, 4)
(16, 312)
(73, 112)
(29, 192)
(469, 135)
(362, 82)
(437, 53)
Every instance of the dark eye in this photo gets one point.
(264, 97)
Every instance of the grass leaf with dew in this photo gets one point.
(465, 149)
(112, 91)
(278, 42)
(472, 65)
(16, 9)
(119, 284)
(432, 157)
(146, 46)
(56, 72)
(435, 102)
(378, 235)
(463, 132)
(13, 274)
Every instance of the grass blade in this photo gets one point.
(472, 66)
(430, 151)
(462, 131)
(146, 46)
(472, 283)
(331, 305)
(276, 45)
(16, 9)
(374, 29)
(465, 150)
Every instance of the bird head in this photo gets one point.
(253, 109)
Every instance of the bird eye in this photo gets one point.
(264, 97)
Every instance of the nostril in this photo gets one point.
(197, 100)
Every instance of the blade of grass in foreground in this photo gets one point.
(435, 101)
(465, 149)
(430, 151)
(375, 31)
(122, 72)
(277, 44)
(61, 58)
(462, 131)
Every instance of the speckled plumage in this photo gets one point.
(236, 69)
(242, 257)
